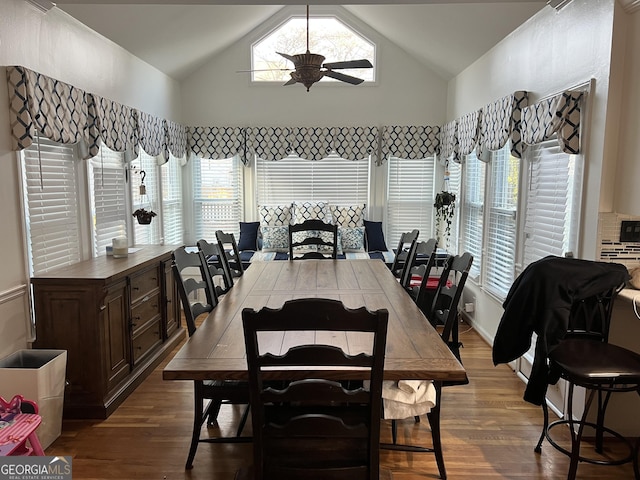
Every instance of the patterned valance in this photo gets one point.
(559, 114)
(218, 142)
(410, 142)
(449, 140)
(115, 124)
(38, 103)
(312, 143)
(68, 115)
(354, 143)
(176, 139)
(467, 134)
(501, 122)
(151, 134)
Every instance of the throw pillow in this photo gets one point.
(274, 215)
(309, 210)
(249, 236)
(352, 239)
(275, 239)
(374, 236)
(347, 216)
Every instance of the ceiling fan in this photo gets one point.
(309, 69)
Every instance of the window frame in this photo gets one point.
(393, 229)
(342, 15)
(236, 201)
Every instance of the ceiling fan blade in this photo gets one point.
(343, 78)
(349, 64)
(288, 57)
(290, 82)
(265, 70)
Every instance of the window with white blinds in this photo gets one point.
(552, 202)
(473, 185)
(501, 222)
(144, 170)
(410, 196)
(332, 179)
(49, 172)
(453, 185)
(108, 198)
(171, 176)
(217, 196)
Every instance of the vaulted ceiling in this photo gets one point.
(178, 37)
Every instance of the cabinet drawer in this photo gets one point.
(144, 283)
(147, 309)
(146, 340)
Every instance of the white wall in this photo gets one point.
(627, 198)
(406, 93)
(549, 53)
(58, 46)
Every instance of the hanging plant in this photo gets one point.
(143, 216)
(445, 206)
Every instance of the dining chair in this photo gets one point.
(314, 426)
(423, 285)
(586, 359)
(217, 264)
(318, 239)
(406, 239)
(197, 295)
(443, 312)
(414, 273)
(227, 245)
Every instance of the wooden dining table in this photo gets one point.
(414, 348)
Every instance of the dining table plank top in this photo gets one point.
(414, 348)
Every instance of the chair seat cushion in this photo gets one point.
(593, 362)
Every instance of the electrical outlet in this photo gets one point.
(630, 231)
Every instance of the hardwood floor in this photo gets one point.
(488, 432)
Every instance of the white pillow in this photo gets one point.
(348, 215)
(310, 210)
(274, 215)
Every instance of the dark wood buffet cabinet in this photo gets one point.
(116, 317)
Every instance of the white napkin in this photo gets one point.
(407, 398)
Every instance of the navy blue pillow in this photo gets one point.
(374, 236)
(249, 236)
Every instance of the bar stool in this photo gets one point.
(584, 358)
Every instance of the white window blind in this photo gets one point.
(553, 202)
(454, 186)
(145, 168)
(410, 194)
(108, 198)
(172, 201)
(333, 179)
(473, 178)
(51, 199)
(501, 222)
(217, 192)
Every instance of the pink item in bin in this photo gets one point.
(19, 420)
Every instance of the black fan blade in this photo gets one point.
(348, 64)
(343, 78)
(288, 57)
